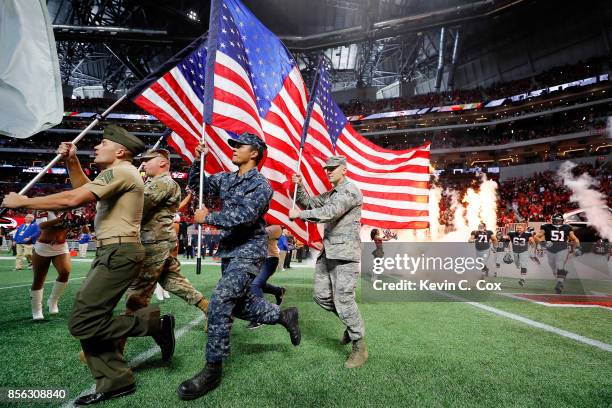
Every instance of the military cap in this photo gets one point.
(334, 161)
(119, 135)
(153, 153)
(248, 139)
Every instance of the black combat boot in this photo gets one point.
(203, 382)
(289, 319)
(165, 338)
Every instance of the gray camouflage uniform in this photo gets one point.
(337, 268)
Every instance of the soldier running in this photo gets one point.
(118, 189)
(337, 268)
(162, 197)
(245, 196)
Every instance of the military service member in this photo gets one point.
(119, 257)
(162, 197)
(245, 196)
(337, 268)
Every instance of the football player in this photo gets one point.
(482, 239)
(555, 237)
(521, 241)
(535, 250)
(500, 248)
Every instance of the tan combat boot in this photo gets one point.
(358, 356)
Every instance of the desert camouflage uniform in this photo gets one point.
(162, 196)
(243, 247)
(337, 268)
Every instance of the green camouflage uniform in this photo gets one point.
(162, 197)
(337, 268)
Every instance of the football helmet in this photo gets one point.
(557, 219)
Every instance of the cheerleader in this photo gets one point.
(51, 247)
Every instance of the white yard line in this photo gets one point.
(144, 356)
(29, 284)
(564, 333)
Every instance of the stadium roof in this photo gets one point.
(368, 42)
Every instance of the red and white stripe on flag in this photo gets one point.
(394, 184)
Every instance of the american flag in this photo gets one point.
(257, 88)
(177, 99)
(394, 183)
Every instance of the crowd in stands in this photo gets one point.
(535, 198)
(498, 135)
(538, 197)
(99, 105)
(513, 112)
(131, 125)
(50, 140)
(551, 77)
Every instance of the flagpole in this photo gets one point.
(153, 148)
(309, 109)
(74, 141)
(201, 196)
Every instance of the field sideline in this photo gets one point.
(421, 353)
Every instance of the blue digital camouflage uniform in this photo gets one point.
(243, 247)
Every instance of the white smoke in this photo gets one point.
(591, 201)
(435, 196)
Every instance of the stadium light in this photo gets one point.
(193, 15)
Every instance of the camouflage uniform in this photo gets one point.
(162, 196)
(243, 247)
(337, 268)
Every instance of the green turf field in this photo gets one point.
(446, 354)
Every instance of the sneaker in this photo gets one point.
(521, 282)
(559, 287)
(254, 325)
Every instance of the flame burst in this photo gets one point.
(468, 210)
